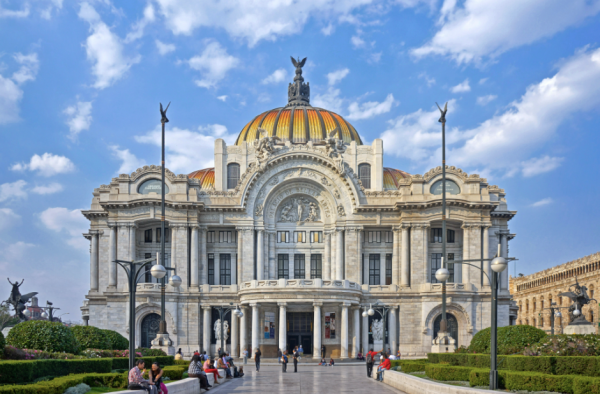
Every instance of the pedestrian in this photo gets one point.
(322, 351)
(195, 371)
(204, 356)
(284, 361)
(300, 352)
(296, 356)
(370, 361)
(398, 355)
(331, 362)
(245, 354)
(279, 354)
(137, 381)
(257, 355)
(178, 355)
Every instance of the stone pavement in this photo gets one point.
(308, 380)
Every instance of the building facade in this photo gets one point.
(301, 226)
(534, 293)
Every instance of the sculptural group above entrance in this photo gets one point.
(299, 209)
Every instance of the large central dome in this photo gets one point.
(298, 121)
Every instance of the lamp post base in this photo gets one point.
(582, 329)
(493, 380)
(444, 343)
(164, 343)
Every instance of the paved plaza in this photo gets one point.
(308, 380)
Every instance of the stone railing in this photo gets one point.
(300, 283)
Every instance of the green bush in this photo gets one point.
(565, 345)
(28, 371)
(90, 337)
(586, 366)
(409, 366)
(2, 344)
(117, 341)
(446, 372)
(61, 384)
(456, 359)
(150, 352)
(584, 385)
(181, 362)
(433, 358)
(479, 360)
(511, 339)
(524, 363)
(43, 335)
(173, 372)
(534, 381)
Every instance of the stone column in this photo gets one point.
(235, 335)
(486, 255)
(240, 253)
(392, 324)
(333, 254)
(272, 260)
(307, 266)
(217, 269)
(382, 263)
(260, 255)
(255, 326)
(427, 265)
(504, 251)
(395, 258)
(327, 259)
(317, 330)
(132, 242)
(283, 325)
(404, 268)
(94, 271)
(173, 230)
(339, 255)
(344, 335)
(206, 327)
(466, 255)
(291, 266)
(365, 331)
(355, 331)
(361, 236)
(244, 332)
(112, 256)
(203, 257)
(194, 259)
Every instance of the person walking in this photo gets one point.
(245, 354)
(322, 351)
(279, 354)
(300, 353)
(370, 361)
(296, 356)
(284, 361)
(257, 355)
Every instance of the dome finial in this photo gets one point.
(298, 92)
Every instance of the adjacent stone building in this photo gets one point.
(534, 293)
(303, 227)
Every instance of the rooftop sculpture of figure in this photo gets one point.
(18, 300)
(580, 298)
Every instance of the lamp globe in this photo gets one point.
(442, 275)
(158, 271)
(499, 264)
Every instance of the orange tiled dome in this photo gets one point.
(206, 177)
(299, 124)
(391, 176)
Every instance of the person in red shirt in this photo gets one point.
(385, 365)
(370, 356)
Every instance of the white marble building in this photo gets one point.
(301, 226)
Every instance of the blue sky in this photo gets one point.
(80, 84)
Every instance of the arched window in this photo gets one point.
(233, 175)
(364, 174)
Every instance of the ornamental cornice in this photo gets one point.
(157, 203)
(466, 225)
(454, 171)
(94, 214)
(152, 169)
(407, 206)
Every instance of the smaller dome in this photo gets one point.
(206, 177)
(391, 178)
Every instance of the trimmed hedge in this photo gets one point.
(117, 341)
(511, 339)
(90, 337)
(2, 344)
(173, 372)
(59, 385)
(444, 372)
(182, 362)
(409, 366)
(28, 371)
(43, 335)
(163, 361)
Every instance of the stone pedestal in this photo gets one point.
(164, 343)
(444, 343)
(378, 346)
(580, 329)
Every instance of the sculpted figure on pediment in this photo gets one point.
(299, 209)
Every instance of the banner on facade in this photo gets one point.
(269, 330)
(330, 325)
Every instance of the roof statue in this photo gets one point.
(163, 114)
(580, 298)
(443, 112)
(18, 300)
(298, 92)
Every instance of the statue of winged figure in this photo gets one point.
(18, 300)
(579, 297)
(163, 113)
(265, 146)
(442, 112)
(298, 64)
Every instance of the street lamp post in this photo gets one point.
(383, 312)
(554, 312)
(49, 309)
(223, 311)
(133, 275)
(162, 328)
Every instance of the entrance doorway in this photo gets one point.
(452, 326)
(300, 331)
(150, 326)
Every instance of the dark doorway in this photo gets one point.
(150, 326)
(452, 326)
(300, 331)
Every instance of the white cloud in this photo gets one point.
(23, 13)
(518, 132)
(485, 100)
(46, 13)
(252, 20)
(67, 222)
(542, 202)
(539, 165)
(8, 217)
(80, 117)
(483, 80)
(375, 57)
(370, 109)
(429, 80)
(105, 50)
(46, 165)
(474, 29)
(461, 87)
(330, 100)
(48, 189)
(163, 48)
(13, 191)
(328, 30)
(278, 75)
(137, 31)
(223, 98)
(336, 76)
(213, 63)
(129, 161)
(357, 42)
(183, 146)
(29, 67)
(10, 89)
(15, 252)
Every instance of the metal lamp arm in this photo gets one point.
(462, 262)
(137, 273)
(124, 267)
